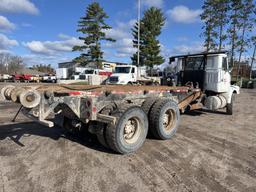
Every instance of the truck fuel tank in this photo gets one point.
(215, 102)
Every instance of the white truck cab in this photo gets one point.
(211, 73)
(86, 73)
(123, 75)
(77, 71)
(217, 76)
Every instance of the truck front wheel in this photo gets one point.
(164, 119)
(129, 132)
(229, 107)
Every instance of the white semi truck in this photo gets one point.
(123, 75)
(210, 72)
(131, 74)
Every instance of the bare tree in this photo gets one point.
(10, 64)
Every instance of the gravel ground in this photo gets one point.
(210, 152)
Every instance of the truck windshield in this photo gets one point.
(88, 71)
(194, 63)
(122, 69)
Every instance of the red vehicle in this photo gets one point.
(90, 72)
(105, 73)
(22, 77)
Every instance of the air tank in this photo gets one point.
(215, 102)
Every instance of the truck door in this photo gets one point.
(217, 77)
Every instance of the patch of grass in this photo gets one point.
(80, 83)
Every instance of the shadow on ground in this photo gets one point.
(26, 129)
(203, 111)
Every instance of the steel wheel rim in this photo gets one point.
(132, 130)
(169, 120)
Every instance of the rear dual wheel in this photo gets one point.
(129, 132)
(229, 107)
(164, 117)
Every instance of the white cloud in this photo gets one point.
(34, 59)
(182, 14)
(53, 47)
(186, 48)
(6, 43)
(153, 3)
(193, 47)
(18, 6)
(5, 24)
(123, 46)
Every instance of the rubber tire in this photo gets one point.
(229, 107)
(156, 116)
(147, 105)
(68, 127)
(114, 133)
(102, 137)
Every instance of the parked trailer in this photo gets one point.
(120, 116)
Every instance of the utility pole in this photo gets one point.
(138, 55)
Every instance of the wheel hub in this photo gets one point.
(169, 119)
(166, 119)
(131, 130)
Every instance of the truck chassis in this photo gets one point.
(120, 116)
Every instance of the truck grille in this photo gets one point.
(113, 79)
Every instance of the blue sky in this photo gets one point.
(44, 31)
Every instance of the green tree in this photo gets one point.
(151, 26)
(93, 28)
(221, 14)
(209, 33)
(215, 17)
(247, 21)
(235, 26)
